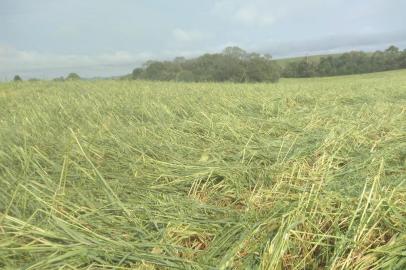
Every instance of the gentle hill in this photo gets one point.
(236, 65)
(313, 58)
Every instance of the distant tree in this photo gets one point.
(185, 76)
(403, 59)
(33, 80)
(60, 79)
(218, 67)
(235, 52)
(307, 68)
(160, 71)
(354, 62)
(275, 74)
(377, 61)
(303, 68)
(392, 58)
(236, 65)
(148, 63)
(17, 78)
(179, 60)
(137, 73)
(204, 68)
(72, 77)
(260, 69)
(233, 64)
(392, 49)
(327, 66)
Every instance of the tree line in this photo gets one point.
(236, 65)
(70, 77)
(232, 64)
(355, 62)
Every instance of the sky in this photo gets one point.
(51, 38)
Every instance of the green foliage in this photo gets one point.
(261, 69)
(72, 77)
(233, 65)
(17, 78)
(137, 73)
(402, 61)
(303, 174)
(185, 76)
(59, 79)
(347, 63)
(161, 71)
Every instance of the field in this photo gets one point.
(303, 174)
(283, 62)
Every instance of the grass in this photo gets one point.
(303, 174)
(283, 62)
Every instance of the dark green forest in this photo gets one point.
(234, 64)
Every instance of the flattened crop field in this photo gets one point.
(302, 174)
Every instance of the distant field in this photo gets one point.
(283, 62)
(303, 174)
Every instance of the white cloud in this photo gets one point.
(252, 16)
(48, 65)
(260, 13)
(246, 13)
(184, 36)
